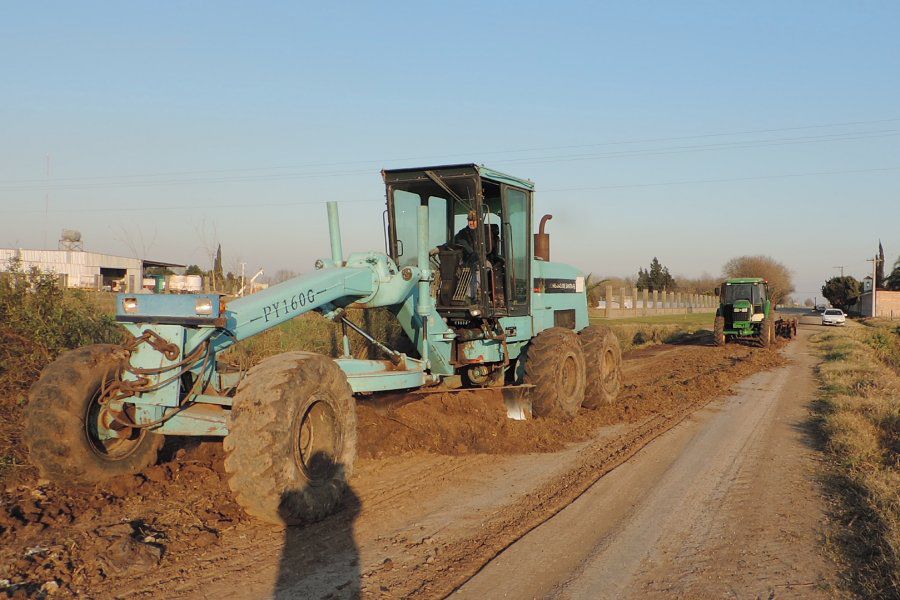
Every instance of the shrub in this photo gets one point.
(39, 319)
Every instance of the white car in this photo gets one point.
(833, 316)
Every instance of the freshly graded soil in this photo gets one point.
(174, 529)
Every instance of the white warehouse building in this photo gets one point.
(81, 269)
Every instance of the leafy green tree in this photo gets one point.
(657, 277)
(841, 291)
(193, 270)
(892, 281)
(879, 268)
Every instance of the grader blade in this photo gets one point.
(517, 399)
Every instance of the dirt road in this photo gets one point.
(723, 505)
(447, 485)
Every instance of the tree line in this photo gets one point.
(658, 277)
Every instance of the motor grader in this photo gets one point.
(494, 310)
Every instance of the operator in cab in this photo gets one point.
(465, 238)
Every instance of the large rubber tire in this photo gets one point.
(554, 365)
(766, 333)
(603, 366)
(291, 444)
(719, 331)
(61, 409)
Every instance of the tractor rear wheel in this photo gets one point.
(69, 435)
(719, 331)
(291, 444)
(555, 366)
(766, 332)
(603, 363)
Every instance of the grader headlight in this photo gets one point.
(203, 306)
(129, 305)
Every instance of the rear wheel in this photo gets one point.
(71, 436)
(554, 364)
(766, 332)
(719, 331)
(291, 444)
(603, 365)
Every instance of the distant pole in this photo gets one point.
(243, 264)
(841, 267)
(874, 283)
(874, 262)
(47, 204)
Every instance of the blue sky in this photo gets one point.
(690, 131)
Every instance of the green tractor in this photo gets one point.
(745, 311)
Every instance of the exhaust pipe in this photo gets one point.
(542, 241)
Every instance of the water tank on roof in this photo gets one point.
(70, 239)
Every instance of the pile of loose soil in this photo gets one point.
(74, 540)
(458, 423)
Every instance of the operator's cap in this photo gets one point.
(473, 216)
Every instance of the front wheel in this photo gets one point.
(291, 443)
(603, 364)
(70, 435)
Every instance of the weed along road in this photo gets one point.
(722, 505)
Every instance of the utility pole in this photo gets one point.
(841, 267)
(243, 264)
(47, 204)
(874, 262)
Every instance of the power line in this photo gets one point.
(456, 154)
(189, 206)
(723, 180)
(849, 136)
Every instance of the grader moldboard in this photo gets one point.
(486, 304)
(746, 313)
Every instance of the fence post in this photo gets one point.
(655, 301)
(646, 299)
(609, 299)
(622, 300)
(634, 298)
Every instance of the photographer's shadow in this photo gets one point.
(321, 560)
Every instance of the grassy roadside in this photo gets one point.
(859, 419)
(635, 332)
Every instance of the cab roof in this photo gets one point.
(745, 280)
(459, 169)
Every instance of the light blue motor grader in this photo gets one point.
(468, 282)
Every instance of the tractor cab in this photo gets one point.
(479, 237)
(744, 300)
